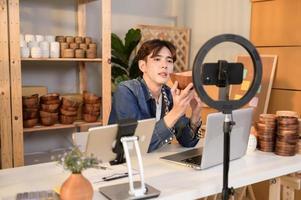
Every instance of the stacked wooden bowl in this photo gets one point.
(50, 104)
(91, 107)
(68, 110)
(30, 110)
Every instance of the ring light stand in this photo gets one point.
(223, 80)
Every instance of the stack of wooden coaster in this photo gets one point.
(287, 135)
(266, 128)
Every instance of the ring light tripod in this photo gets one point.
(222, 74)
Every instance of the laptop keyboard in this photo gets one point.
(38, 195)
(193, 160)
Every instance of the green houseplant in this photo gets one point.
(124, 66)
(77, 187)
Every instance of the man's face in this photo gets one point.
(157, 69)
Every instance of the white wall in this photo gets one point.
(208, 18)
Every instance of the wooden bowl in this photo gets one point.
(48, 121)
(60, 38)
(78, 39)
(34, 96)
(91, 107)
(50, 97)
(73, 45)
(50, 107)
(79, 53)
(30, 123)
(87, 40)
(90, 118)
(91, 53)
(68, 113)
(30, 115)
(68, 108)
(183, 78)
(68, 53)
(67, 119)
(96, 113)
(92, 46)
(49, 102)
(33, 106)
(69, 39)
(68, 102)
(30, 109)
(83, 46)
(30, 101)
(91, 98)
(44, 114)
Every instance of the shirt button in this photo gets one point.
(166, 141)
(170, 138)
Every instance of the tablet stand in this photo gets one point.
(128, 190)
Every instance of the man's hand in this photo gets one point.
(196, 107)
(181, 101)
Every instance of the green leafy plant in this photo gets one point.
(76, 161)
(124, 66)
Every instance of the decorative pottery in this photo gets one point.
(76, 187)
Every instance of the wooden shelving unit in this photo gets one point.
(11, 125)
(6, 158)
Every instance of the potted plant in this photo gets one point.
(77, 187)
(124, 66)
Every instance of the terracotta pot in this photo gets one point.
(76, 187)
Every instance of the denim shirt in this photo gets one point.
(132, 100)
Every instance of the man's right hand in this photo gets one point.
(181, 101)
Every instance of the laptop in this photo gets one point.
(101, 139)
(211, 154)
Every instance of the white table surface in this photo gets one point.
(174, 181)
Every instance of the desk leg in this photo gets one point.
(251, 192)
(289, 185)
(274, 191)
(288, 193)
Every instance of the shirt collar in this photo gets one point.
(147, 95)
(146, 92)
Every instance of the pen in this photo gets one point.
(115, 176)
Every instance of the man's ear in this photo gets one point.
(142, 65)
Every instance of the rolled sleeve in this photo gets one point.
(184, 134)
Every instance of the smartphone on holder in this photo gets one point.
(211, 73)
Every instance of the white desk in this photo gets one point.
(174, 181)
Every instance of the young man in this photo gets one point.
(149, 97)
